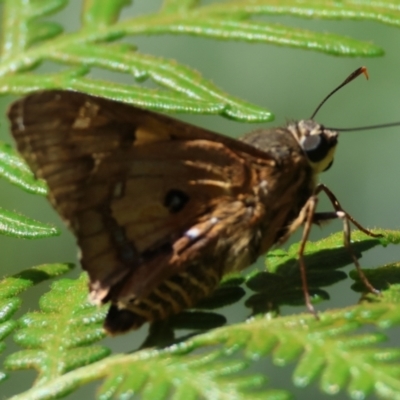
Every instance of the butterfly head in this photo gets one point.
(318, 143)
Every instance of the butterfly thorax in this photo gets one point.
(301, 151)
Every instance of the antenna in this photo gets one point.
(352, 76)
(364, 128)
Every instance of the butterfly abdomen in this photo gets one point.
(173, 295)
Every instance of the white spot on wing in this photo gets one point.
(192, 233)
(214, 220)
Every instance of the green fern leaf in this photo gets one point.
(281, 284)
(172, 6)
(75, 326)
(102, 24)
(14, 170)
(18, 226)
(16, 284)
(319, 347)
(20, 28)
(99, 14)
(11, 287)
(330, 349)
(163, 375)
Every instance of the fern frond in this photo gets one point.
(60, 337)
(162, 375)
(319, 347)
(281, 283)
(101, 24)
(12, 286)
(331, 350)
(15, 170)
(19, 226)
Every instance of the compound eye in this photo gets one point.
(311, 142)
(316, 147)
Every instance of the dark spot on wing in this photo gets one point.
(175, 200)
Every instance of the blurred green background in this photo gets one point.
(289, 82)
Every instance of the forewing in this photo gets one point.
(146, 195)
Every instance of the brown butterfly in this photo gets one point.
(162, 209)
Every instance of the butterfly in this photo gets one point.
(162, 209)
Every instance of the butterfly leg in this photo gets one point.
(307, 217)
(346, 218)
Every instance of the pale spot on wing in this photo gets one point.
(214, 220)
(85, 115)
(193, 233)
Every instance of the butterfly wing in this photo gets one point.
(160, 208)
